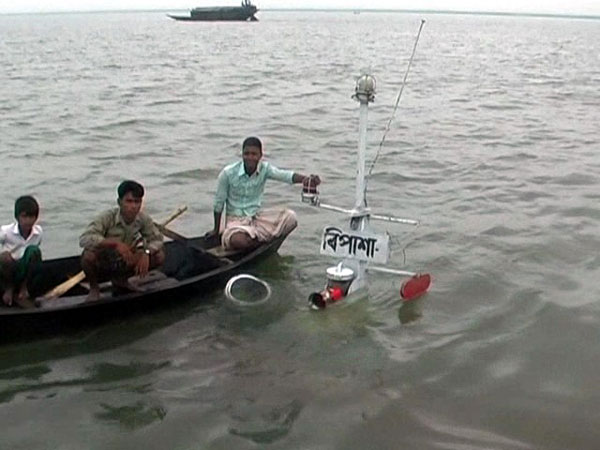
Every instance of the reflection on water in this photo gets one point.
(264, 426)
(108, 372)
(494, 150)
(131, 417)
(410, 311)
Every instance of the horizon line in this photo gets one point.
(353, 10)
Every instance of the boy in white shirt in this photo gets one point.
(20, 255)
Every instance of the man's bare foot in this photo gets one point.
(7, 297)
(23, 294)
(24, 302)
(94, 294)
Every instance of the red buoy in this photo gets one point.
(415, 286)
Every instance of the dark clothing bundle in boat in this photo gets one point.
(184, 261)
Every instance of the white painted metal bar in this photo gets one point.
(355, 212)
(395, 219)
(391, 271)
(336, 208)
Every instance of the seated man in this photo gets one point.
(239, 188)
(20, 256)
(121, 242)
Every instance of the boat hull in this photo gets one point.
(203, 19)
(186, 275)
(234, 14)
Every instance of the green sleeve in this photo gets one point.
(153, 238)
(222, 191)
(95, 232)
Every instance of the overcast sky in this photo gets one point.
(579, 7)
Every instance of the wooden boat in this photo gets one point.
(221, 13)
(190, 269)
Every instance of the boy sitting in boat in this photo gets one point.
(20, 256)
(121, 241)
(239, 189)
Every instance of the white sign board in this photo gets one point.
(355, 244)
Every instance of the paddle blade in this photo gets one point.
(415, 287)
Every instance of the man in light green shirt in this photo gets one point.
(239, 191)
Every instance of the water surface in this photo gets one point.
(494, 149)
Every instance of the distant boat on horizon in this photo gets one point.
(245, 12)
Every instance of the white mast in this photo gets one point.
(364, 93)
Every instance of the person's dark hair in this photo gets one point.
(28, 205)
(252, 142)
(136, 189)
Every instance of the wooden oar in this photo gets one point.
(76, 279)
(191, 244)
(178, 212)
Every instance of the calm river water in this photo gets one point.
(494, 149)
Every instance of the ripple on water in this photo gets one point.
(497, 159)
(264, 425)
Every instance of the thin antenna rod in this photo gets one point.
(387, 128)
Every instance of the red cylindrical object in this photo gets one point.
(335, 293)
(319, 300)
